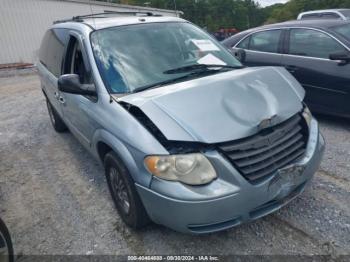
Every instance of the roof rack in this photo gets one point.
(131, 12)
(106, 13)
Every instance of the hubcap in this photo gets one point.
(3, 249)
(119, 190)
(52, 118)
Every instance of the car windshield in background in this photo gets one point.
(343, 30)
(345, 13)
(132, 57)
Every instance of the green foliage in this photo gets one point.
(292, 8)
(211, 14)
(240, 14)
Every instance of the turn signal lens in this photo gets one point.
(307, 115)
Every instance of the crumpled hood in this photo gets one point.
(221, 107)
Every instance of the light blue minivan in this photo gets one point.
(188, 137)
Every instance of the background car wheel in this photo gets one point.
(55, 119)
(124, 194)
(6, 249)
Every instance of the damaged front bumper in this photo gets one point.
(229, 200)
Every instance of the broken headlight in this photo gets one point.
(191, 169)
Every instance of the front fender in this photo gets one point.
(131, 157)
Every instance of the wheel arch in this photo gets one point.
(104, 142)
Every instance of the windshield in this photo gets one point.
(346, 13)
(135, 56)
(343, 30)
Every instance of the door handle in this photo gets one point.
(292, 68)
(56, 94)
(61, 100)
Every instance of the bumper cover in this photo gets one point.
(230, 200)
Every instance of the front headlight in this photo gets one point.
(191, 169)
(307, 115)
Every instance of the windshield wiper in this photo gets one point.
(159, 84)
(193, 67)
(200, 69)
(173, 80)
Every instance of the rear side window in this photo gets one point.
(330, 16)
(346, 13)
(311, 16)
(267, 41)
(44, 47)
(312, 43)
(52, 50)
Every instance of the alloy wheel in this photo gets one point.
(4, 252)
(119, 190)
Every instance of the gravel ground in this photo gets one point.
(54, 198)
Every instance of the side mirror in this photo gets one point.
(239, 54)
(70, 83)
(342, 57)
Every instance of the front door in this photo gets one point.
(77, 109)
(327, 82)
(263, 48)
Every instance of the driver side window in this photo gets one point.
(75, 62)
(265, 41)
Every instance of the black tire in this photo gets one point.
(122, 189)
(6, 248)
(55, 119)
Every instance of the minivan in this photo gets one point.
(188, 137)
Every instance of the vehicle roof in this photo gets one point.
(106, 22)
(325, 10)
(318, 23)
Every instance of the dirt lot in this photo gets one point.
(54, 197)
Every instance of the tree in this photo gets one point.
(241, 14)
(211, 14)
(292, 8)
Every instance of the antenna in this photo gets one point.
(175, 7)
(93, 19)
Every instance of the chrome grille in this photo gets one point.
(259, 156)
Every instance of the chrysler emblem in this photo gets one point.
(268, 122)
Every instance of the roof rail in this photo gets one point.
(131, 12)
(106, 13)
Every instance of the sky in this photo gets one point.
(264, 3)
